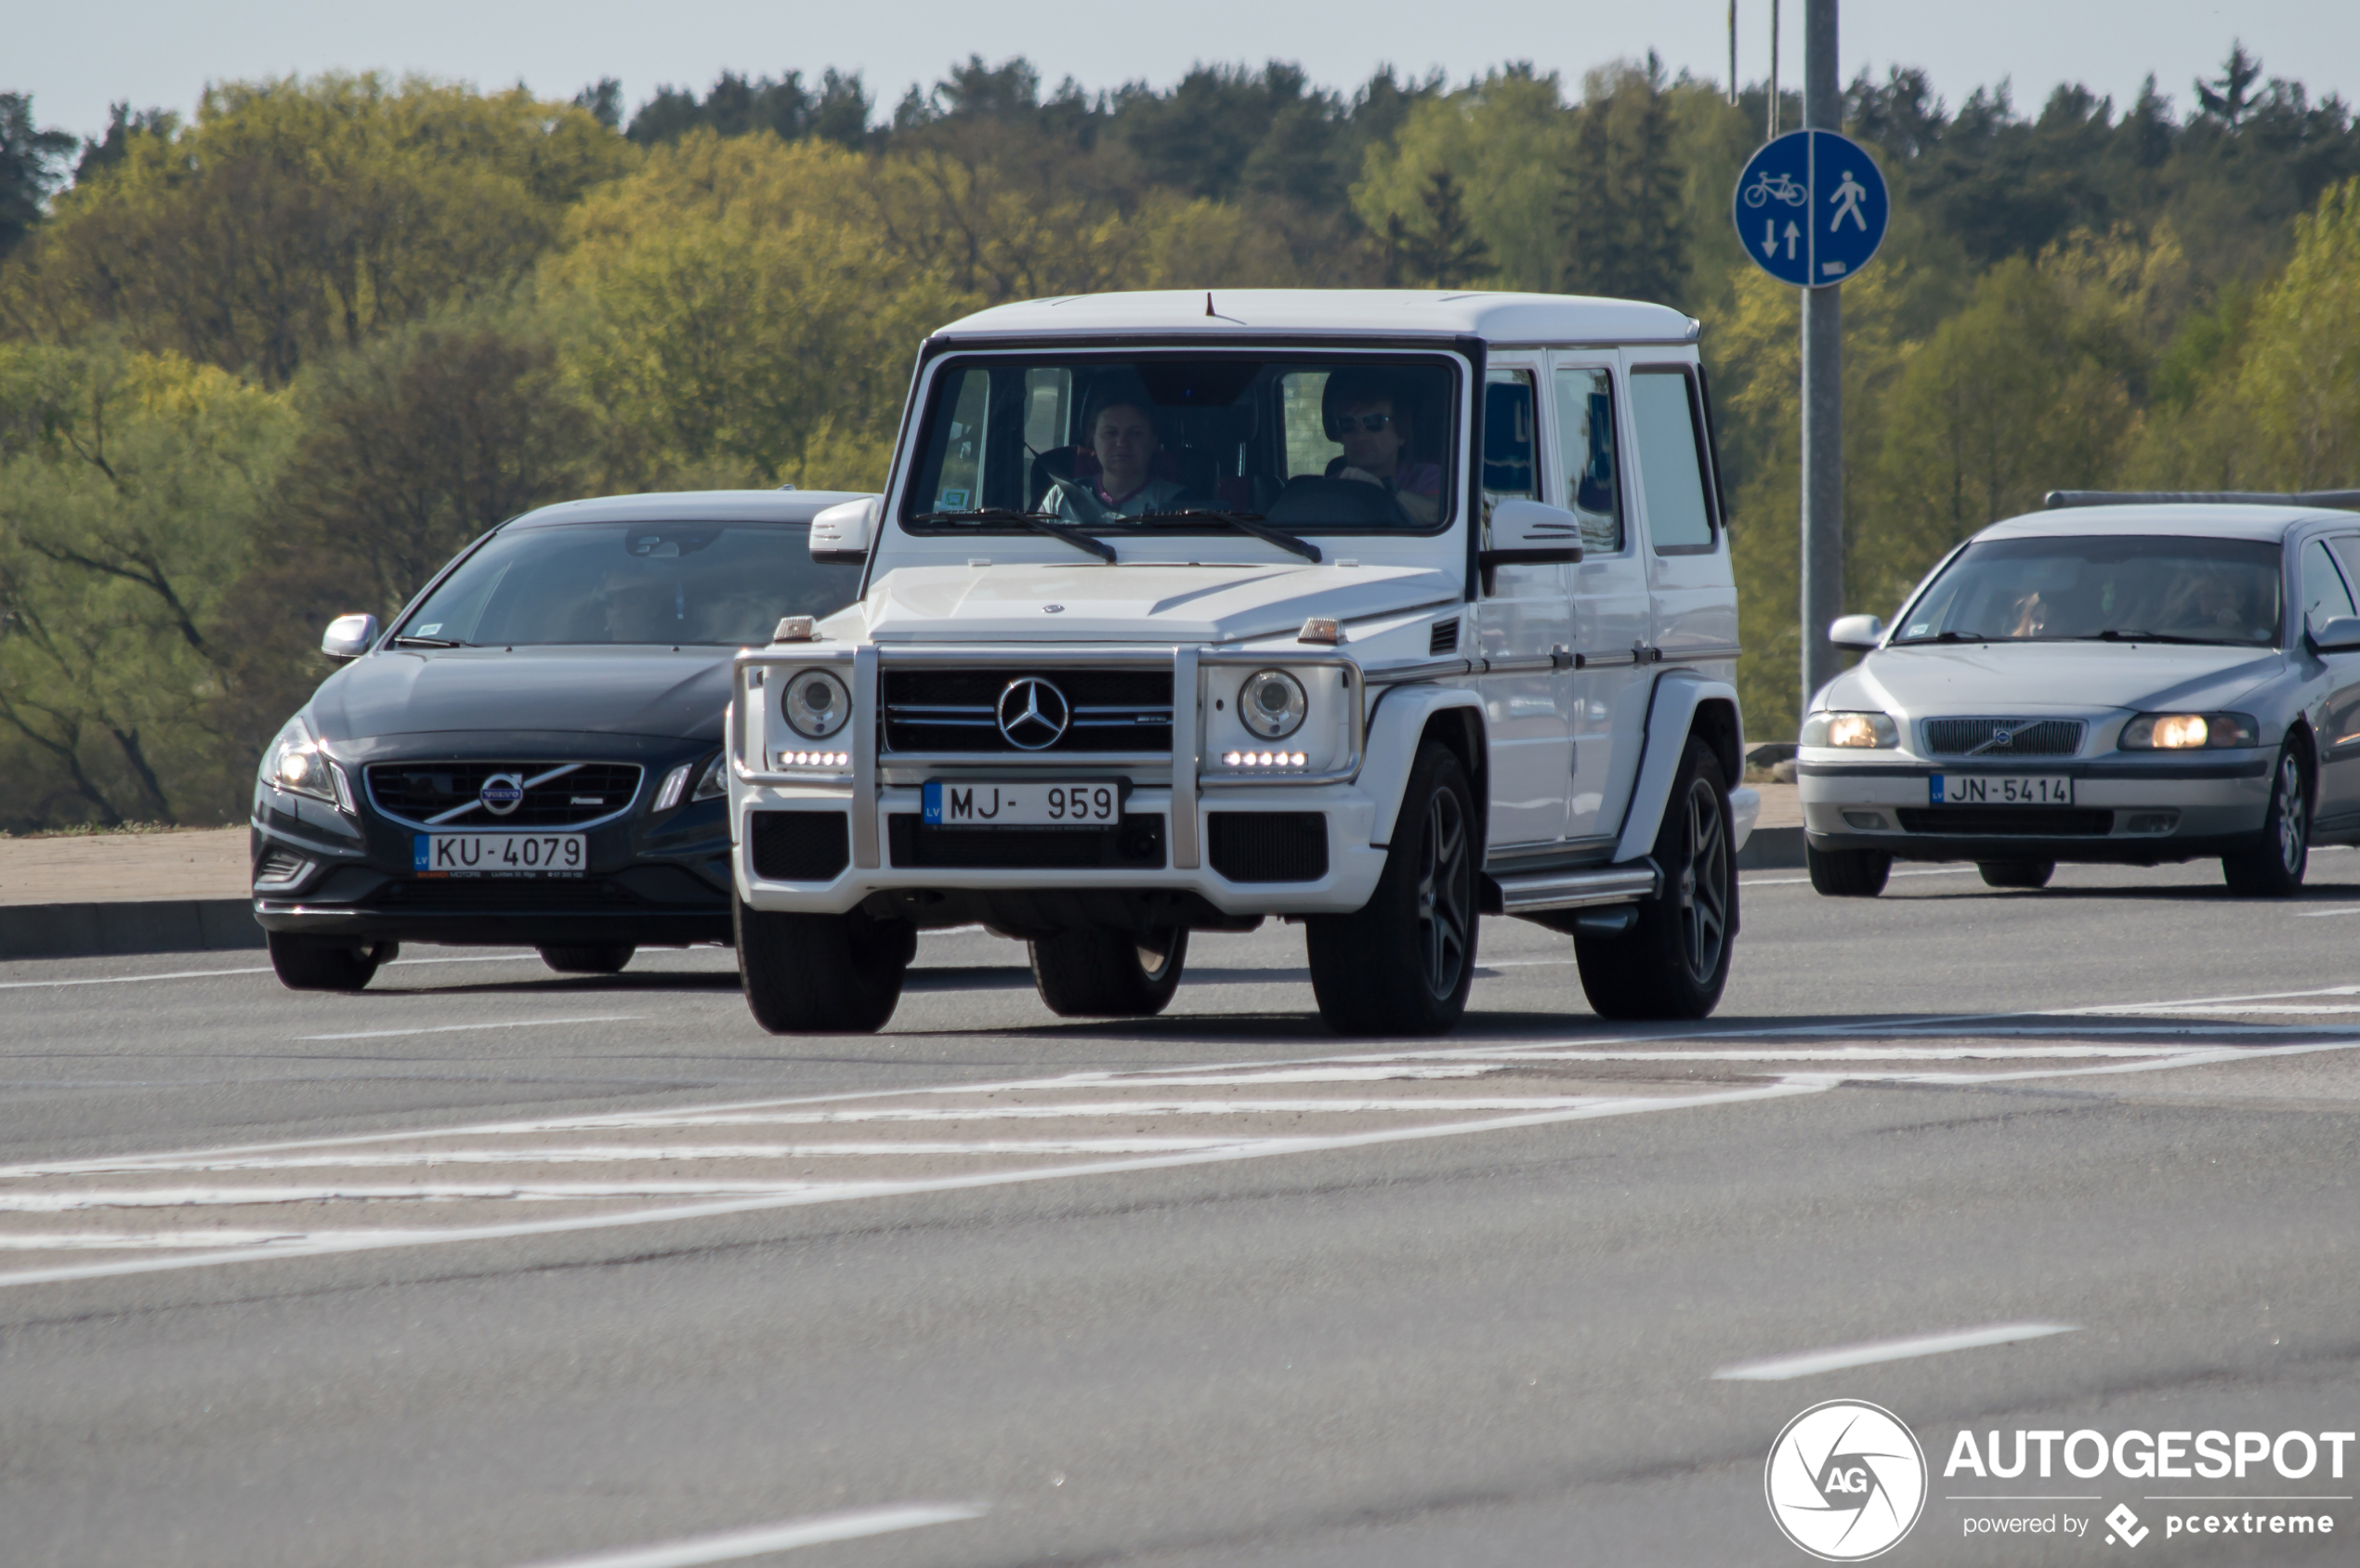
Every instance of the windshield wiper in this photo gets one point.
(2112, 635)
(1244, 522)
(1036, 522)
(1951, 637)
(405, 640)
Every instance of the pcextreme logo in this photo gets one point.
(1846, 1480)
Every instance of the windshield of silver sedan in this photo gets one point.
(1234, 442)
(2119, 588)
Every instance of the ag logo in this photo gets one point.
(1846, 1480)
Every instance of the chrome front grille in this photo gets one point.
(2003, 737)
(931, 711)
(554, 794)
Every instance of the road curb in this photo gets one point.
(78, 931)
(1772, 849)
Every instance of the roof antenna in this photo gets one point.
(1208, 302)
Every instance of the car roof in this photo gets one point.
(2212, 520)
(687, 507)
(1496, 318)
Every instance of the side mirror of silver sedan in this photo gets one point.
(2337, 634)
(1861, 633)
(348, 636)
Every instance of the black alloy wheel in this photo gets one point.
(1095, 973)
(1403, 964)
(311, 963)
(587, 958)
(1847, 873)
(2016, 873)
(821, 975)
(1674, 963)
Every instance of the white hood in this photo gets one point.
(1143, 604)
(2012, 678)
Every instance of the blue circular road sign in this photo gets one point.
(1811, 208)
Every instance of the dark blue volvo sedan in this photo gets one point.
(531, 753)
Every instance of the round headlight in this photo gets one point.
(1272, 704)
(817, 703)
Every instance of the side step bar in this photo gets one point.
(1519, 893)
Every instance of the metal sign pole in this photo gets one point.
(1822, 387)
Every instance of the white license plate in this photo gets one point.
(1070, 803)
(507, 855)
(1998, 789)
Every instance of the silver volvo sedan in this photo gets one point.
(2117, 678)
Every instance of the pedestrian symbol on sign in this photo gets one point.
(1847, 200)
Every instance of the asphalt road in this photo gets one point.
(486, 1268)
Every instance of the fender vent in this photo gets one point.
(1269, 846)
(1445, 638)
(800, 845)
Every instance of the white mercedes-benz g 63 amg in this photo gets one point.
(1377, 611)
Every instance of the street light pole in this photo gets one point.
(1822, 387)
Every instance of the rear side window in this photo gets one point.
(1671, 459)
(1585, 443)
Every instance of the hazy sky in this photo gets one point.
(162, 52)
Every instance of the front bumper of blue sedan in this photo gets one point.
(653, 875)
(2141, 810)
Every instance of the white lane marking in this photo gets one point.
(1860, 1053)
(844, 1192)
(612, 1153)
(257, 969)
(2315, 914)
(1777, 1369)
(346, 1192)
(2290, 1009)
(463, 1028)
(731, 1544)
(1797, 881)
(1081, 1110)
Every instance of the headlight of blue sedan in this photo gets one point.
(294, 762)
(1864, 730)
(2188, 732)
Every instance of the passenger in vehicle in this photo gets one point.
(1122, 437)
(1372, 422)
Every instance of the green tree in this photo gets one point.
(30, 158)
(1505, 142)
(1625, 218)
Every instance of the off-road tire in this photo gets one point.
(312, 963)
(1096, 973)
(587, 958)
(2274, 868)
(821, 975)
(1403, 962)
(1674, 962)
(2016, 873)
(1847, 873)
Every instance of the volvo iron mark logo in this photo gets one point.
(1034, 713)
(502, 793)
(1846, 1480)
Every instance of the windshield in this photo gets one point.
(670, 583)
(2132, 588)
(1306, 443)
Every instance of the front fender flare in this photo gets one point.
(1396, 725)
(1672, 714)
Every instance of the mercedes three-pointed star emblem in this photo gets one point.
(1034, 713)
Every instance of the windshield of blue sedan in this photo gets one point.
(1120, 444)
(668, 583)
(2103, 588)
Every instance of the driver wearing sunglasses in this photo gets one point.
(1365, 419)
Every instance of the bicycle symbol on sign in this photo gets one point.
(1767, 185)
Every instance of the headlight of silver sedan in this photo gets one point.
(2189, 732)
(1850, 729)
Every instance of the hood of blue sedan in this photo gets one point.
(653, 691)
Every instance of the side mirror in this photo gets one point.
(348, 636)
(1861, 633)
(842, 534)
(1528, 533)
(2337, 634)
